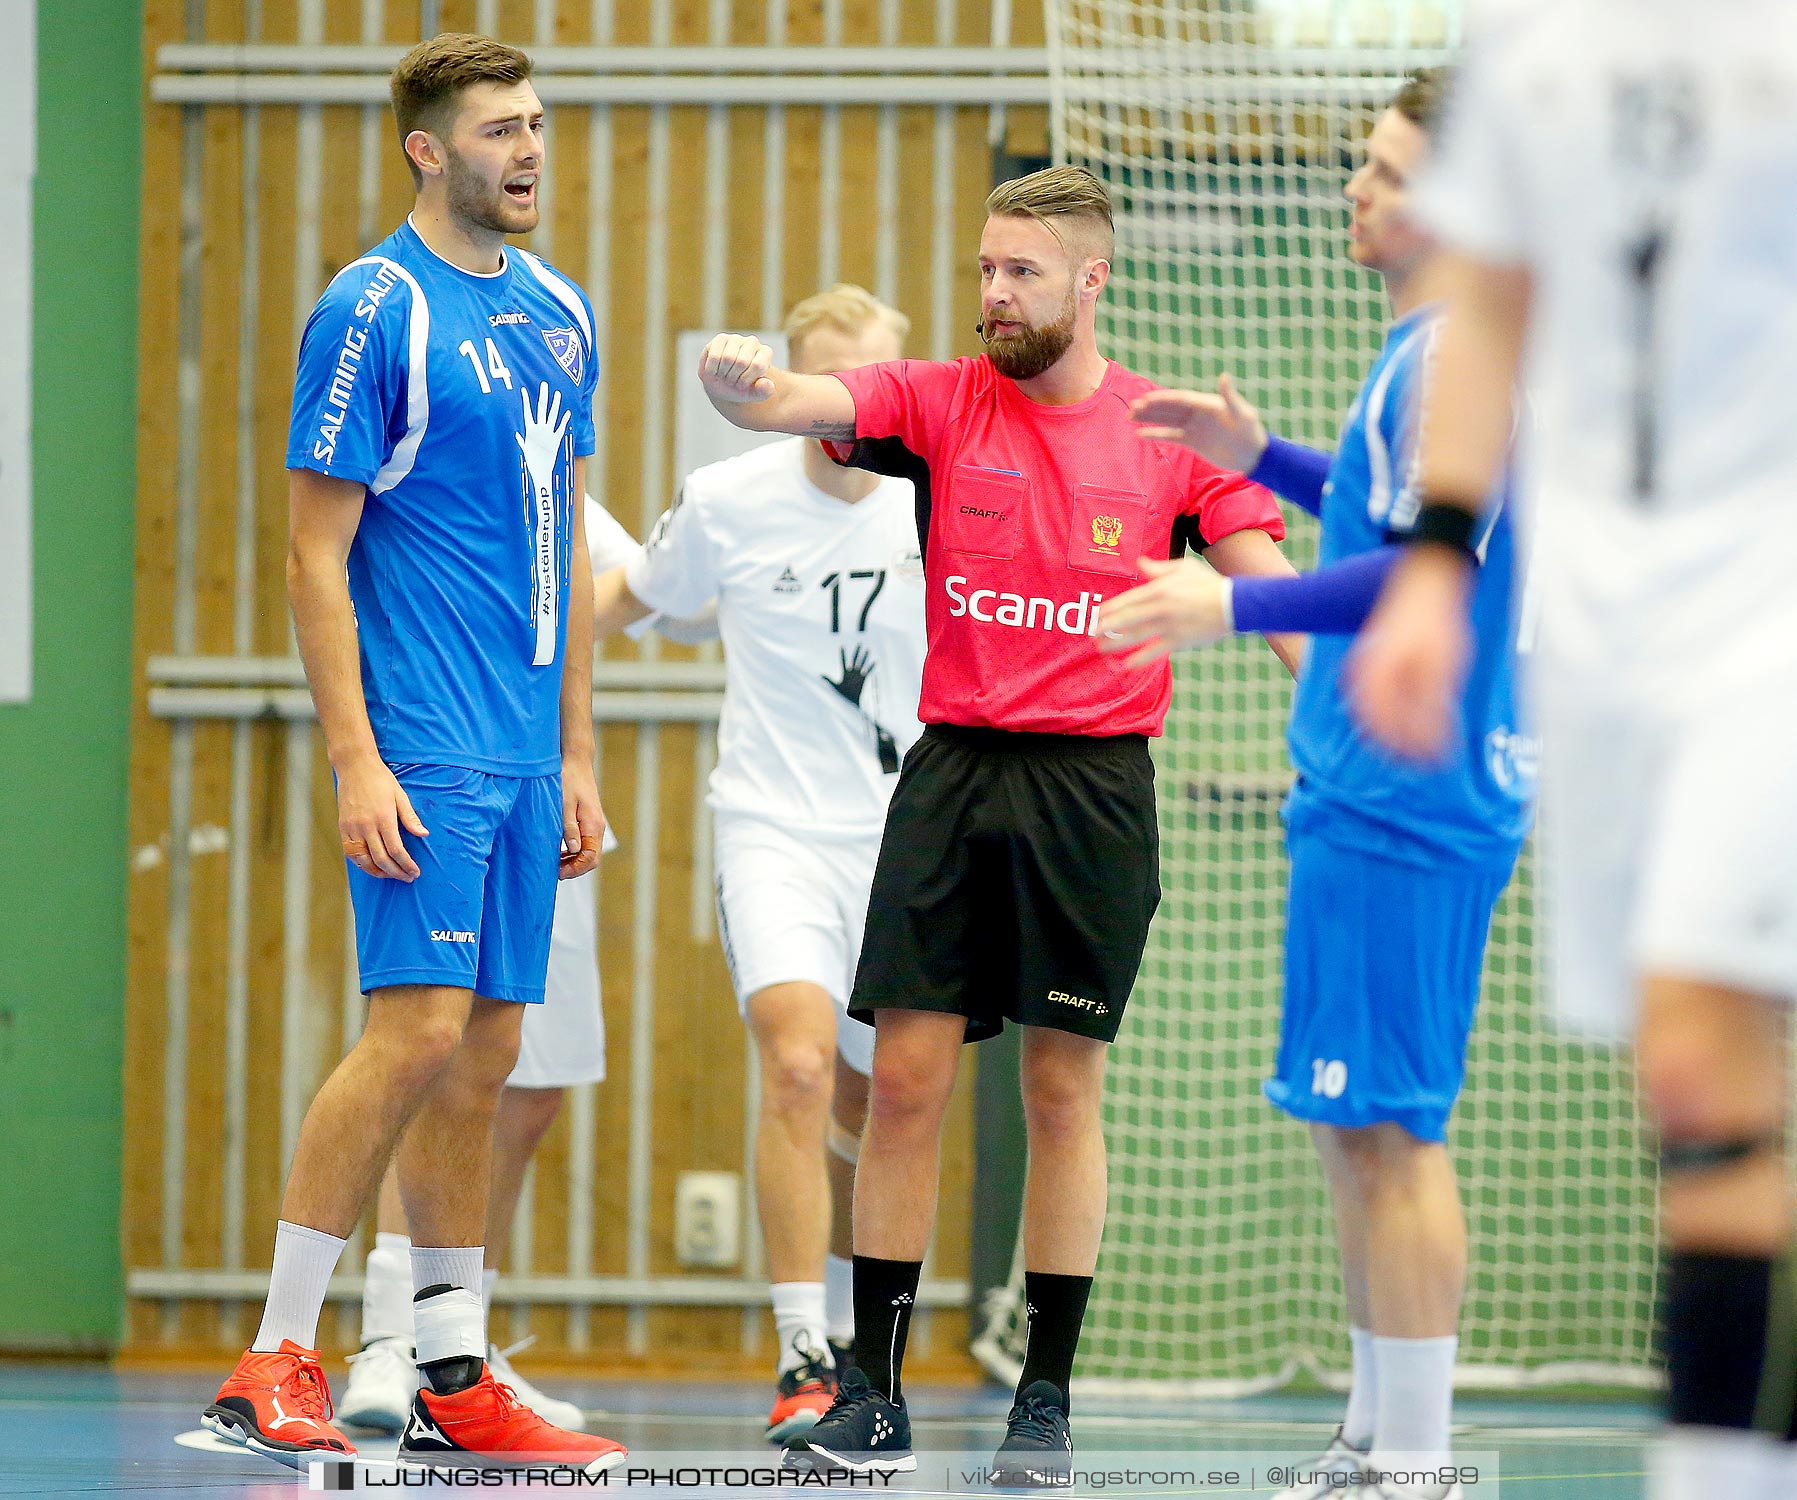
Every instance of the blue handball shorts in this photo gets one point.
(479, 914)
(1382, 966)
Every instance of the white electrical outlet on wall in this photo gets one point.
(707, 1218)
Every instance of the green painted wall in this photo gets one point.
(63, 755)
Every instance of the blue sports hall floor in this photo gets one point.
(76, 1430)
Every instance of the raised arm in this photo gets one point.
(1227, 431)
(1189, 605)
(742, 382)
(322, 516)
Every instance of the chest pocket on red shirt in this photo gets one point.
(1104, 532)
(984, 512)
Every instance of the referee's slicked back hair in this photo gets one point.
(1421, 97)
(845, 307)
(1060, 194)
(426, 87)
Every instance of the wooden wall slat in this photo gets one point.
(152, 631)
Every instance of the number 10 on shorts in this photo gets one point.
(1330, 1079)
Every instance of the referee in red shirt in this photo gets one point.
(1020, 866)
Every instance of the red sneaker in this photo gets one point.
(805, 1394)
(278, 1405)
(488, 1427)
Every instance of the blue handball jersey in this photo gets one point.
(1476, 806)
(461, 401)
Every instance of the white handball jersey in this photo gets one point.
(609, 545)
(1639, 159)
(820, 605)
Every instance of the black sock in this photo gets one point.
(447, 1376)
(1718, 1316)
(885, 1293)
(1057, 1307)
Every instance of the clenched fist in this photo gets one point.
(734, 367)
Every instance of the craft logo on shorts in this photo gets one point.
(1107, 532)
(449, 935)
(1079, 1002)
(564, 344)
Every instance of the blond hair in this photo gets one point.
(1057, 193)
(845, 307)
(427, 85)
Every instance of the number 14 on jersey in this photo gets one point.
(495, 365)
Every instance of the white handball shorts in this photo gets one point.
(563, 1040)
(1668, 835)
(792, 907)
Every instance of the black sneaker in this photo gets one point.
(1038, 1447)
(860, 1433)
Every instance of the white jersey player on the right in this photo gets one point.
(818, 575)
(1620, 184)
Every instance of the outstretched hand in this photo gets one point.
(1182, 604)
(1223, 428)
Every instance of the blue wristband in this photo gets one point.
(1335, 600)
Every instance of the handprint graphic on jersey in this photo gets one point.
(541, 444)
(856, 669)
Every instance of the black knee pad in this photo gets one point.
(1730, 1331)
(1679, 1158)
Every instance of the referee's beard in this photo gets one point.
(1027, 353)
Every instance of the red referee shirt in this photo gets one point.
(1037, 514)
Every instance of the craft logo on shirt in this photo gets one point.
(564, 344)
(1107, 532)
(787, 582)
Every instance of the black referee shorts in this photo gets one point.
(1016, 881)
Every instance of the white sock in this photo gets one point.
(1358, 1421)
(1697, 1463)
(456, 1265)
(489, 1279)
(304, 1260)
(450, 1325)
(387, 1289)
(1414, 1397)
(798, 1321)
(839, 1299)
